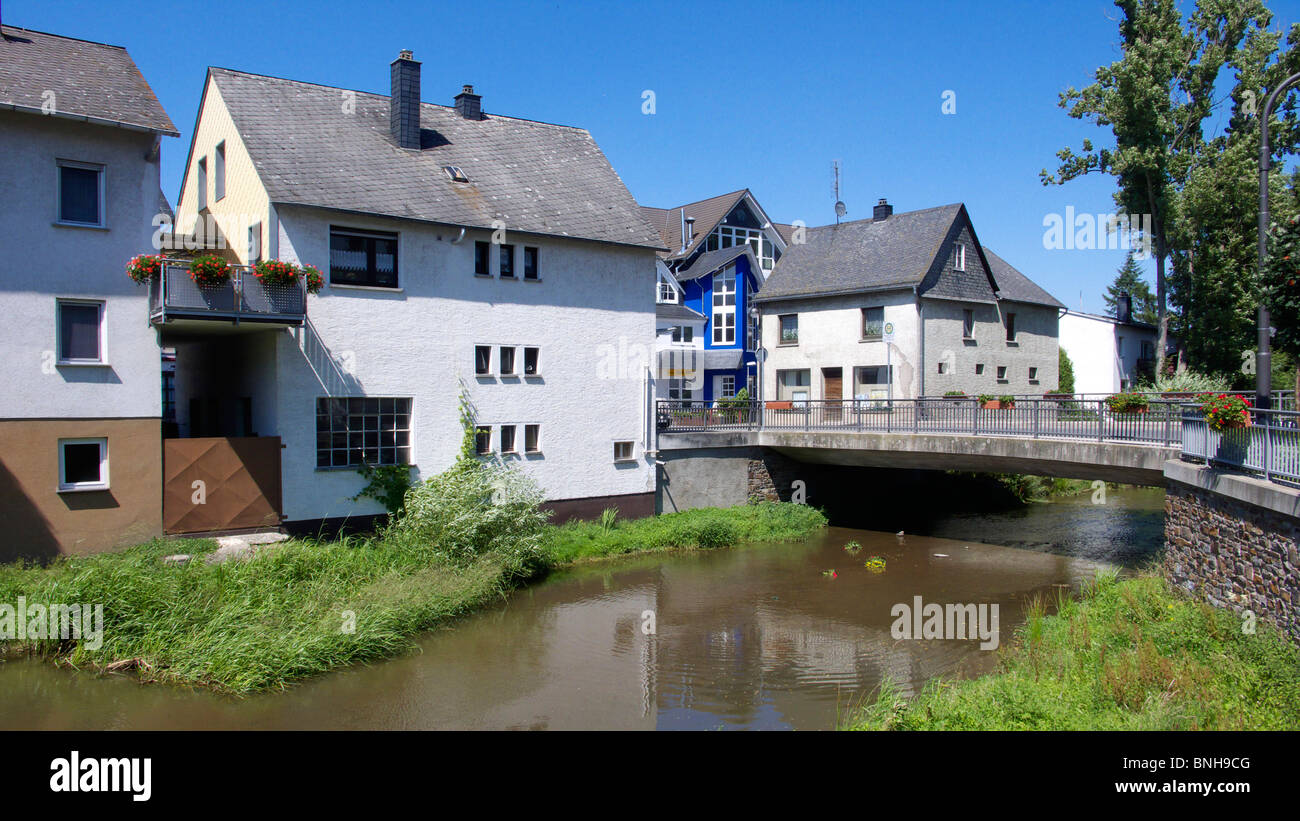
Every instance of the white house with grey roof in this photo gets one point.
(80, 144)
(462, 250)
(963, 319)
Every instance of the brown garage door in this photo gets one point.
(221, 483)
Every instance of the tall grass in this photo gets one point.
(1129, 655)
(306, 606)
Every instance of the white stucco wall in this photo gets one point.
(43, 262)
(830, 336)
(592, 315)
(1092, 343)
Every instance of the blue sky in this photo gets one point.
(747, 95)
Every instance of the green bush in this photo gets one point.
(1127, 402)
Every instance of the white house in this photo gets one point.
(80, 140)
(462, 251)
(1109, 353)
(963, 319)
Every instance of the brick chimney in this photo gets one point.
(882, 211)
(468, 104)
(404, 102)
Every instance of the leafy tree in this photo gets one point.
(1154, 100)
(1065, 380)
(1281, 287)
(1129, 280)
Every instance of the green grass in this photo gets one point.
(1130, 655)
(244, 626)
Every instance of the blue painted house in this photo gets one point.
(721, 251)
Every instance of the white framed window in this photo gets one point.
(351, 430)
(667, 293)
(81, 193)
(219, 172)
(506, 360)
(201, 182)
(727, 386)
(532, 438)
(483, 439)
(724, 307)
(683, 333)
(83, 464)
(255, 243)
(1033, 374)
(959, 257)
(727, 236)
(623, 451)
(968, 324)
(81, 329)
(681, 389)
(482, 360)
(508, 438)
(789, 329)
(794, 385)
(532, 361)
(1002, 373)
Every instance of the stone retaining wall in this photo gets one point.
(1234, 554)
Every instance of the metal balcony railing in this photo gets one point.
(1269, 446)
(173, 294)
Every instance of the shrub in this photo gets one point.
(954, 393)
(714, 532)
(473, 509)
(1186, 382)
(1065, 380)
(386, 484)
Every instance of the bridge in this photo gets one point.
(1079, 438)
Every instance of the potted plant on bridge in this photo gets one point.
(1006, 401)
(989, 402)
(1128, 403)
(1229, 416)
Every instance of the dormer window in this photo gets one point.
(455, 174)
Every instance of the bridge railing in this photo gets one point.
(1269, 445)
(1160, 423)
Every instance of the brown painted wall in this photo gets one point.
(630, 506)
(38, 522)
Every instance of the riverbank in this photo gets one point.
(1131, 654)
(305, 607)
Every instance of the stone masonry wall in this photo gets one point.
(772, 476)
(1234, 554)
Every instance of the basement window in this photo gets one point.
(455, 174)
(482, 439)
(83, 464)
(622, 451)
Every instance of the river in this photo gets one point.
(759, 637)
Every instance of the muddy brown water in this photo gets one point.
(752, 638)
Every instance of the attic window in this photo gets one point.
(455, 173)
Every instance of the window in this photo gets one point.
(81, 332)
(81, 193)
(727, 386)
(371, 429)
(363, 258)
(219, 171)
(201, 183)
(532, 438)
(454, 173)
(622, 451)
(482, 439)
(507, 261)
(681, 389)
(481, 251)
(530, 263)
(507, 438)
(531, 361)
(959, 257)
(793, 385)
(482, 360)
(873, 323)
(727, 236)
(683, 333)
(789, 329)
(507, 361)
(667, 293)
(943, 367)
(254, 243)
(872, 382)
(1033, 374)
(83, 464)
(1002, 373)
(968, 324)
(724, 307)
(1011, 327)
(979, 368)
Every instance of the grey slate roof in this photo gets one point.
(862, 255)
(672, 310)
(92, 81)
(1015, 286)
(711, 261)
(536, 177)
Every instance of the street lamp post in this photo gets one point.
(1264, 340)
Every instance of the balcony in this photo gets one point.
(176, 299)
